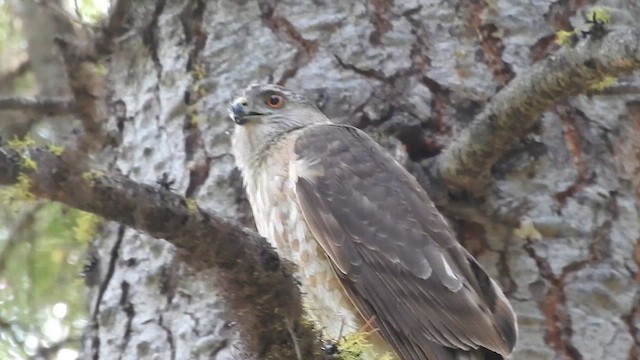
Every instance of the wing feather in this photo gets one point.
(394, 252)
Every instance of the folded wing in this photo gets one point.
(394, 252)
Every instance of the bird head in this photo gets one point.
(263, 113)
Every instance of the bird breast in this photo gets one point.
(278, 217)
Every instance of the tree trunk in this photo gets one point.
(558, 225)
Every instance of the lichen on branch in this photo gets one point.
(259, 285)
(572, 70)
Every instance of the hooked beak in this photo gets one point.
(239, 111)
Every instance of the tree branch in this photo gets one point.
(9, 77)
(47, 106)
(117, 15)
(515, 109)
(258, 283)
(616, 90)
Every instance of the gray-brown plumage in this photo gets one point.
(334, 202)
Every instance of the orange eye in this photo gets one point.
(274, 101)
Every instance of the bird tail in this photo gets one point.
(480, 354)
(438, 352)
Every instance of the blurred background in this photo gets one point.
(42, 244)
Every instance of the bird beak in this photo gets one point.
(238, 110)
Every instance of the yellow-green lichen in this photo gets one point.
(599, 15)
(100, 69)
(603, 84)
(354, 346)
(91, 176)
(195, 120)
(387, 356)
(198, 72)
(192, 204)
(19, 192)
(55, 149)
(357, 346)
(196, 94)
(23, 188)
(21, 144)
(86, 226)
(192, 112)
(28, 164)
(565, 37)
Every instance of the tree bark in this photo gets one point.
(556, 222)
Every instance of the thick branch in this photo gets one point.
(117, 17)
(258, 284)
(47, 106)
(616, 90)
(515, 109)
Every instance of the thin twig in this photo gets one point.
(10, 76)
(8, 328)
(15, 234)
(50, 351)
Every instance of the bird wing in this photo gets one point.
(393, 251)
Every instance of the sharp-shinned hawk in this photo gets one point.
(369, 245)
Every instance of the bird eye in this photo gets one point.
(274, 101)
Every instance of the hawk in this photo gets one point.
(370, 247)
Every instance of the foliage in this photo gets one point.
(8, 33)
(92, 11)
(41, 291)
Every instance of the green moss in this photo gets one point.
(86, 226)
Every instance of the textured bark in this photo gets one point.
(558, 226)
(514, 110)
